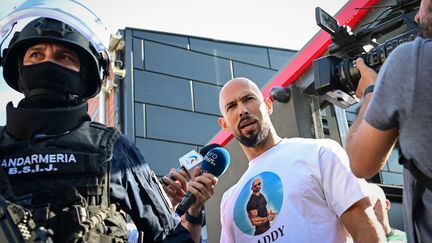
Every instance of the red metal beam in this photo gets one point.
(351, 14)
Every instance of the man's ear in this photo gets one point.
(269, 105)
(223, 124)
(388, 204)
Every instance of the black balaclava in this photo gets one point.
(48, 84)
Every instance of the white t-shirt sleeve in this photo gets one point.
(341, 187)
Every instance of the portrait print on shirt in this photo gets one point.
(259, 203)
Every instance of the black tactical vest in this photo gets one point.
(64, 179)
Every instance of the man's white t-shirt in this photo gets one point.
(307, 182)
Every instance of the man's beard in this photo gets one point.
(425, 28)
(255, 139)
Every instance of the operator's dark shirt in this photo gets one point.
(134, 187)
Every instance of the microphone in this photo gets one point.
(189, 161)
(215, 162)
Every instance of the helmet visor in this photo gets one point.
(71, 12)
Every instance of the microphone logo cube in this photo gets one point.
(190, 160)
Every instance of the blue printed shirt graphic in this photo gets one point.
(258, 203)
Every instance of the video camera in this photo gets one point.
(336, 75)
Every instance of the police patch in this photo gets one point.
(45, 163)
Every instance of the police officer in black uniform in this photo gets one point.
(54, 155)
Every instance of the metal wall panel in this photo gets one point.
(174, 40)
(257, 74)
(154, 88)
(180, 126)
(238, 52)
(162, 155)
(279, 58)
(206, 98)
(186, 64)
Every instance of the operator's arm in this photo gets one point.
(361, 222)
(368, 148)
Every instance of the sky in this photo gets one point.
(275, 23)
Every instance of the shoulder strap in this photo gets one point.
(409, 164)
(107, 142)
(109, 137)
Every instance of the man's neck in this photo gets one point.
(387, 229)
(253, 152)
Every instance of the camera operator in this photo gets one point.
(399, 107)
(55, 156)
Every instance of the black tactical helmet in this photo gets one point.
(54, 31)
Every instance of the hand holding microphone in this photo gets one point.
(214, 164)
(175, 183)
(190, 161)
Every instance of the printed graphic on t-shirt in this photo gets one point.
(259, 203)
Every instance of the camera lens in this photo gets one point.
(348, 75)
(354, 74)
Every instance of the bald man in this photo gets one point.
(309, 183)
(381, 206)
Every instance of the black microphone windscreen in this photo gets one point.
(204, 150)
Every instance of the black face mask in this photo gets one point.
(49, 84)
